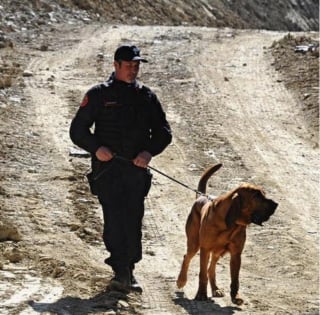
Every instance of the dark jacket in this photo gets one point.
(127, 118)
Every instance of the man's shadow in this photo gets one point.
(102, 302)
(194, 307)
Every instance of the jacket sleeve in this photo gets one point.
(80, 132)
(161, 134)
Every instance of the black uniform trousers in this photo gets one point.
(121, 192)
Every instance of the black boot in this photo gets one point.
(121, 280)
(135, 286)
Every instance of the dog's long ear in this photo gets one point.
(234, 210)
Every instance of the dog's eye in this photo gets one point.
(259, 195)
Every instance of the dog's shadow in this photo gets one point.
(102, 302)
(194, 307)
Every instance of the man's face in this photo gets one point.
(126, 71)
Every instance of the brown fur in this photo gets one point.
(219, 226)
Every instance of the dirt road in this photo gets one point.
(225, 104)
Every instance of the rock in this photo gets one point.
(123, 304)
(15, 99)
(14, 255)
(58, 271)
(27, 73)
(100, 56)
(9, 233)
(44, 47)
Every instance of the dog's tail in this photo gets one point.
(202, 186)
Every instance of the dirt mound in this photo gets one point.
(280, 15)
(297, 59)
(21, 16)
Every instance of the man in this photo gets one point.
(130, 127)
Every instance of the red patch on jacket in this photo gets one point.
(85, 101)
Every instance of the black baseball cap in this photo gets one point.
(128, 53)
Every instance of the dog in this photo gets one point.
(219, 226)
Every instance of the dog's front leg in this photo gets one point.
(203, 276)
(235, 264)
(216, 292)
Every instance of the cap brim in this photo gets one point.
(139, 59)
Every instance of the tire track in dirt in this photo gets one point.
(34, 174)
(169, 202)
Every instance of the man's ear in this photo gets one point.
(234, 210)
(117, 64)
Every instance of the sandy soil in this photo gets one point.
(225, 103)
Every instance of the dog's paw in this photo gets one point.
(218, 293)
(201, 296)
(180, 283)
(237, 300)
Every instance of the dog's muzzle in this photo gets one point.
(258, 217)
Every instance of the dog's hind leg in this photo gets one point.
(182, 278)
(192, 231)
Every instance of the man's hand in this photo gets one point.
(103, 154)
(142, 159)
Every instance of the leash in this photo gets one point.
(176, 181)
(169, 177)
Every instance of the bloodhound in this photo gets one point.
(219, 226)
